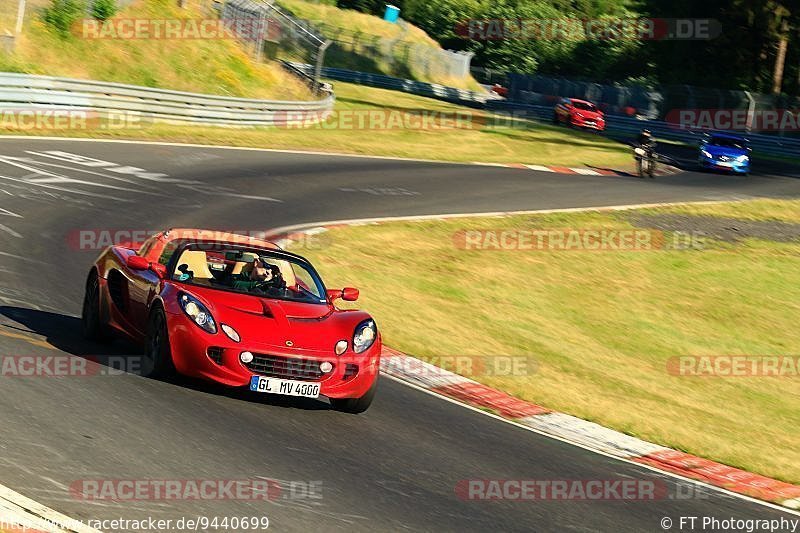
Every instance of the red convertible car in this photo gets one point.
(579, 113)
(237, 311)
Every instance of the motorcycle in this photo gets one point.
(646, 160)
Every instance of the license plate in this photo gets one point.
(285, 387)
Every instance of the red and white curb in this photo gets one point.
(590, 435)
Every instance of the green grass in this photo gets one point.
(525, 143)
(211, 66)
(602, 325)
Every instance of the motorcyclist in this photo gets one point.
(645, 140)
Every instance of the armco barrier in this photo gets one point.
(629, 127)
(23, 91)
(431, 90)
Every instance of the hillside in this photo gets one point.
(212, 66)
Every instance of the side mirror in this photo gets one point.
(137, 262)
(159, 269)
(348, 294)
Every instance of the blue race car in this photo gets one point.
(725, 151)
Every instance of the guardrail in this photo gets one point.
(431, 90)
(618, 125)
(23, 91)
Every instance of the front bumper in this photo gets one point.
(590, 124)
(215, 357)
(731, 165)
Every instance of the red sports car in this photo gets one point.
(237, 311)
(579, 113)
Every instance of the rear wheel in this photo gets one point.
(356, 405)
(158, 354)
(91, 320)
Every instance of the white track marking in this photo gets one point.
(64, 189)
(540, 168)
(10, 231)
(7, 213)
(26, 259)
(15, 506)
(100, 174)
(59, 178)
(585, 171)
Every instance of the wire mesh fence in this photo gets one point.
(682, 105)
(269, 33)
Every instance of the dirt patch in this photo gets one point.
(722, 229)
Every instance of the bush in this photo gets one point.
(104, 9)
(62, 14)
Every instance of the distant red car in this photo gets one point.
(579, 113)
(240, 312)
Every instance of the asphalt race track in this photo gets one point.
(393, 468)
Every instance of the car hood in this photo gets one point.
(276, 323)
(717, 151)
(591, 115)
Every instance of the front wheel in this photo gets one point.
(158, 354)
(91, 319)
(356, 405)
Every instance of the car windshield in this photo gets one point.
(584, 106)
(253, 271)
(726, 142)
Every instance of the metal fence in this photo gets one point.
(270, 33)
(23, 92)
(656, 103)
(431, 90)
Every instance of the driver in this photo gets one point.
(645, 140)
(261, 276)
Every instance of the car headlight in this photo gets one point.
(743, 159)
(364, 336)
(198, 312)
(230, 332)
(707, 154)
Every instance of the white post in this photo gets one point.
(751, 111)
(20, 18)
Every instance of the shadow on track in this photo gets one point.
(63, 332)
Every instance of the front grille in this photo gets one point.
(350, 371)
(215, 353)
(285, 367)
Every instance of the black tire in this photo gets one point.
(356, 405)
(555, 119)
(92, 324)
(157, 361)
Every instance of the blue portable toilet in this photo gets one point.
(392, 13)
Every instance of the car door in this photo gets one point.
(144, 285)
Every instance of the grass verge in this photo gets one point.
(521, 142)
(210, 66)
(601, 325)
